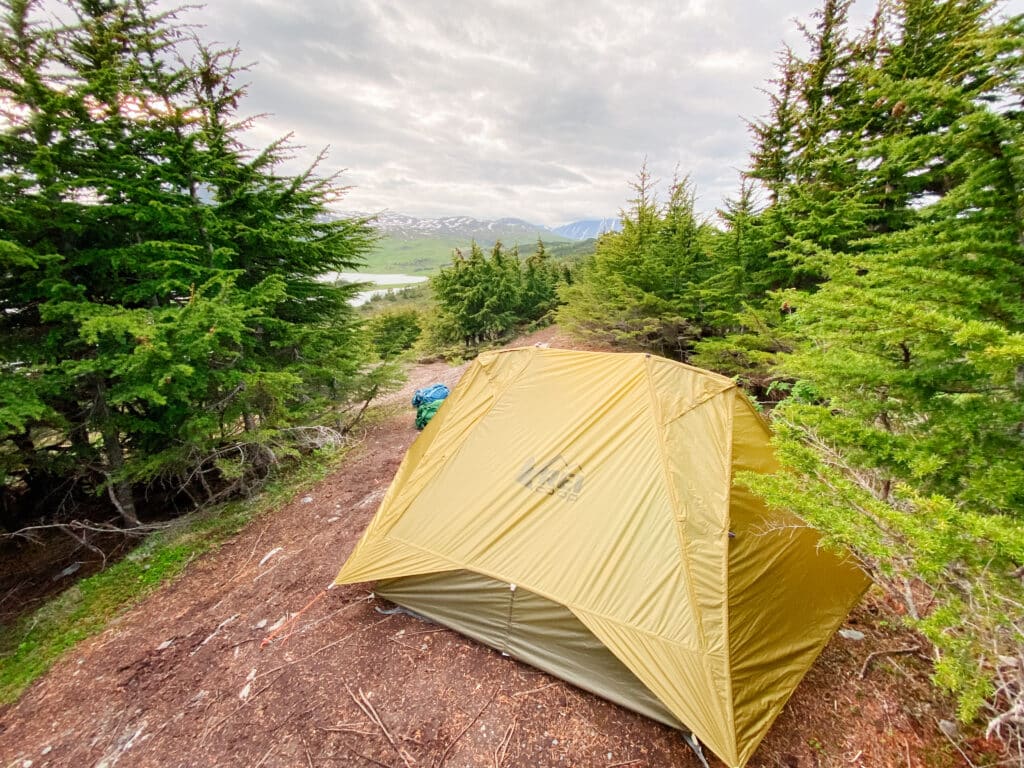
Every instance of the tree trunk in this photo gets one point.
(120, 492)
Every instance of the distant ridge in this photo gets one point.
(588, 228)
(463, 228)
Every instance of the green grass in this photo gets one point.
(32, 644)
(424, 256)
(417, 297)
(411, 257)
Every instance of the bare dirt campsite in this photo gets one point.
(203, 672)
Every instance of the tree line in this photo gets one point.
(875, 290)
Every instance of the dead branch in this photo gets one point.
(321, 649)
(29, 532)
(343, 728)
(366, 404)
(84, 542)
(877, 654)
(501, 751)
(368, 759)
(535, 690)
(952, 741)
(237, 709)
(453, 742)
(1009, 689)
(367, 709)
(214, 633)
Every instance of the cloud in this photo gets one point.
(508, 107)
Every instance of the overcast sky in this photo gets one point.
(491, 108)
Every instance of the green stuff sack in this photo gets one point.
(426, 412)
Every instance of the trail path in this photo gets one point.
(183, 679)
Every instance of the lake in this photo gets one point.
(389, 283)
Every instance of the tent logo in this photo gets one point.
(556, 476)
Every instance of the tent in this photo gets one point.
(576, 510)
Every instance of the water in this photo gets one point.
(377, 280)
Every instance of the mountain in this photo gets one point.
(588, 228)
(462, 228)
(414, 246)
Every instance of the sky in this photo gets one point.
(491, 108)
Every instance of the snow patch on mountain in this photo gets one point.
(509, 230)
(588, 228)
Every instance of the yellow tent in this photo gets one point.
(577, 511)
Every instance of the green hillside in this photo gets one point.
(421, 256)
(425, 255)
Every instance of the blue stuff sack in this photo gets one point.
(429, 395)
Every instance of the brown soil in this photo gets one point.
(188, 678)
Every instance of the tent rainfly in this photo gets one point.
(577, 511)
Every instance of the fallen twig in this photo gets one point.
(453, 742)
(252, 554)
(625, 762)
(369, 759)
(237, 709)
(343, 728)
(291, 622)
(535, 690)
(957, 747)
(322, 648)
(427, 631)
(213, 634)
(367, 709)
(501, 751)
(406, 645)
(893, 652)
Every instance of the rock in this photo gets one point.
(269, 555)
(949, 728)
(68, 571)
(851, 634)
(306, 499)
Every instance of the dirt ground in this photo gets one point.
(202, 673)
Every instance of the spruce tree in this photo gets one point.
(159, 284)
(654, 285)
(904, 438)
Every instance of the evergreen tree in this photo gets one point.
(482, 298)
(541, 278)
(905, 441)
(653, 285)
(159, 282)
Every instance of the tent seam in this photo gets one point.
(730, 702)
(572, 606)
(676, 505)
(697, 404)
(496, 395)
